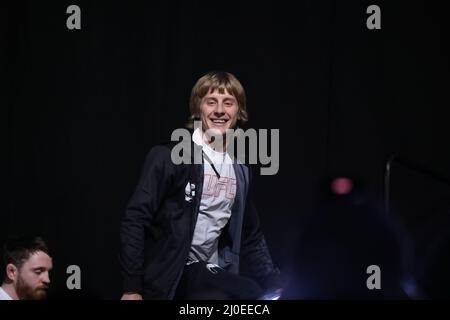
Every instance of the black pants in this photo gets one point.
(199, 282)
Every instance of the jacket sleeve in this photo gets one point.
(148, 195)
(255, 255)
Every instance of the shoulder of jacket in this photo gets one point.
(160, 150)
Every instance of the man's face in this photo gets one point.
(219, 111)
(33, 277)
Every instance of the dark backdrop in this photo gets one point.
(81, 108)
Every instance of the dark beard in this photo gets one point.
(25, 292)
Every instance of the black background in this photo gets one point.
(81, 108)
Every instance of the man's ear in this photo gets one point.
(11, 272)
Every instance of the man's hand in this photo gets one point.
(273, 294)
(131, 296)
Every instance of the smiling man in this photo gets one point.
(27, 265)
(190, 228)
(218, 107)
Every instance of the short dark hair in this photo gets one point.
(17, 250)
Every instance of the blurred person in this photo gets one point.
(27, 266)
(348, 233)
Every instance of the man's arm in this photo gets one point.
(149, 194)
(254, 251)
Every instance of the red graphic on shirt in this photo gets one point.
(213, 186)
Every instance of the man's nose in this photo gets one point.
(46, 278)
(219, 108)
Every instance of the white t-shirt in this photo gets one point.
(215, 206)
(4, 295)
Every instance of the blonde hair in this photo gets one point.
(221, 81)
